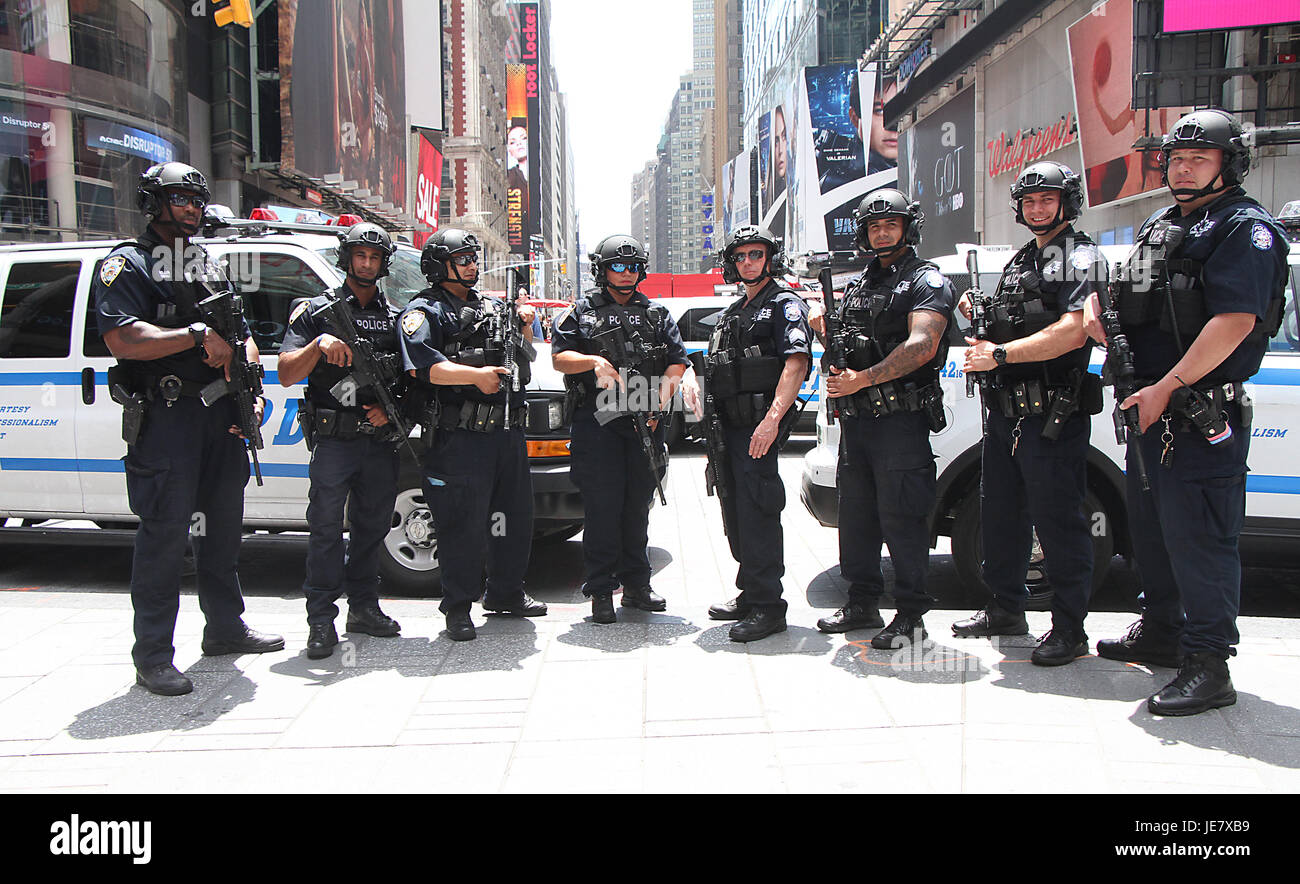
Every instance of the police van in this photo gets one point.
(696, 317)
(1272, 487)
(61, 447)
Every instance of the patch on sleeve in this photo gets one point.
(1261, 237)
(298, 311)
(562, 318)
(796, 337)
(1083, 257)
(412, 322)
(934, 279)
(111, 267)
(792, 311)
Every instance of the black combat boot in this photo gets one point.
(854, 615)
(1202, 683)
(602, 607)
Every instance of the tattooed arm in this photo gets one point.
(925, 330)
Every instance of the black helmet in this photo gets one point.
(439, 249)
(1208, 128)
(1048, 175)
(619, 247)
(747, 234)
(365, 234)
(159, 177)
(888, 203)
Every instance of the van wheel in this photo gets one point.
(967, 557)
(408, 560)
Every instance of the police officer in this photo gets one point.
(622, 358)
(759, 356)
(476, 480)
(186, 462)
(892, 324)
(353, 445)
(1197, 303)
(1039, 397)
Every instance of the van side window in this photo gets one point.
(693, 324)
(281, 279)
(36, 316)
(1287, 339)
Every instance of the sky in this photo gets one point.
(619, 63)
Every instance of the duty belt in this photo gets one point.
(332, 424)
(881, 400)
(1220, 396)
(480, 417)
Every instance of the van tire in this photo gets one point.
(966, 554)
(408, 556)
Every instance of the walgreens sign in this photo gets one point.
(1010, 153)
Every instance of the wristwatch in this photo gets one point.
(1000, 355)
(199, 331)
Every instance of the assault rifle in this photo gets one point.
(979, 319)
(836, 354)
(1119, 371)
(380, 372)
(224, 313)
(625, 349)
(505, 331)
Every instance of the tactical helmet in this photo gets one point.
(1043, 176)
(1209, 128)
(365, 234)
(744, 235)
(619, 247)
(439, 249)
(157, 178)
(888, 203)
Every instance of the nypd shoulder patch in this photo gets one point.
(1261, 237)
(1083, 257)
(934, 279)
(111, 267)
(412, 322)
(792, 311)
(298, 311)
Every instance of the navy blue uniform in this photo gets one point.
(776, 322)
(1185, 530)
(476, 476)
(1031, 482)
(185, 468)
(352, 460)
(886, 474)
(609, 466)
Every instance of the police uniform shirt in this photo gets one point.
(429, 325)
(1243, 252)
(377, 322)
(783, 321)
(909, 284)
(576, 327)
(134, 285)
(1070, 268)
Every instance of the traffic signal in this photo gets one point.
(238, 11)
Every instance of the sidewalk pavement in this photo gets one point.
(656, 703)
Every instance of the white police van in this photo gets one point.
(696, 318)
(1272, 487)
(60, 433)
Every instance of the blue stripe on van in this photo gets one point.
(89, 465)
(1272, 484)
(73, 378)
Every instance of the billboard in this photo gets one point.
(523, 117)
(428, 184)
(1101, 63)
(343, 93)
(941, 173)
(423, 27)
(837, 154)
(733, 195)
(1206, 15)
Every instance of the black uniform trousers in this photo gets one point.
(1041, 487)
(185, 479)
(609, 467)
(1185, 532)
(886, 483)
(480, 494)
(752, 514)
(361, 474)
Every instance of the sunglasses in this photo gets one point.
(180, 200)
(622, 267)
(464, 260)
(751, 255)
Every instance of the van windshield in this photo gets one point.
(404, 280)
